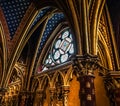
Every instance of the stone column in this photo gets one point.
(65, 95)
(39, 97)
(85, 66)
(52, 97)
(87, 90)
(59, 96)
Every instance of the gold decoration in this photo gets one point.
(89, 97)
(88, 84)
(90, 72)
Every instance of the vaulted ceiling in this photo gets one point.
(26, 26)
(36, 23)
(15, 10)
(14, 13)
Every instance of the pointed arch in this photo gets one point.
(95, 10)
(42, 82)
(105, 54)
(55, 77)
(68, 76)
(18, 49)
(20, 74)
(35, 83)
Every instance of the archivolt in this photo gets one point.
(105, 52)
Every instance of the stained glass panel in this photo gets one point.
(64, 45)
(57, 44)
(64, 58)
(71, 51)
(65, 34)
(56, 55)
(62, 49)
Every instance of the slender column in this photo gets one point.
(30, 98)
(9, 100)
(65, 95)
(52, 96)
(40, 97)
(59, 97)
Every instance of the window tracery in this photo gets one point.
(62, 49)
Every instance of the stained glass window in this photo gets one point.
(63, 48)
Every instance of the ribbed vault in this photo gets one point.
(27, 31)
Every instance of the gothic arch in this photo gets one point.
(95, 49)
(55, 78)
(106, 54)
(43, 80)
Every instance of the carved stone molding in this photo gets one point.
(112, 84)
(40, 96)
(25, 97)
(85, 66)
(52, 97)
(66, 90)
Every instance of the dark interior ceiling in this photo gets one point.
(114, 10)
(14, 11)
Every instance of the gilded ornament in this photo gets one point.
(88, 84)
(89, 97)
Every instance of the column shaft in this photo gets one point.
(87, 90)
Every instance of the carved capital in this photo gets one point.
(39, 91)
(66, 89)
(85, 64)
(52, 90)
(27, 93)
